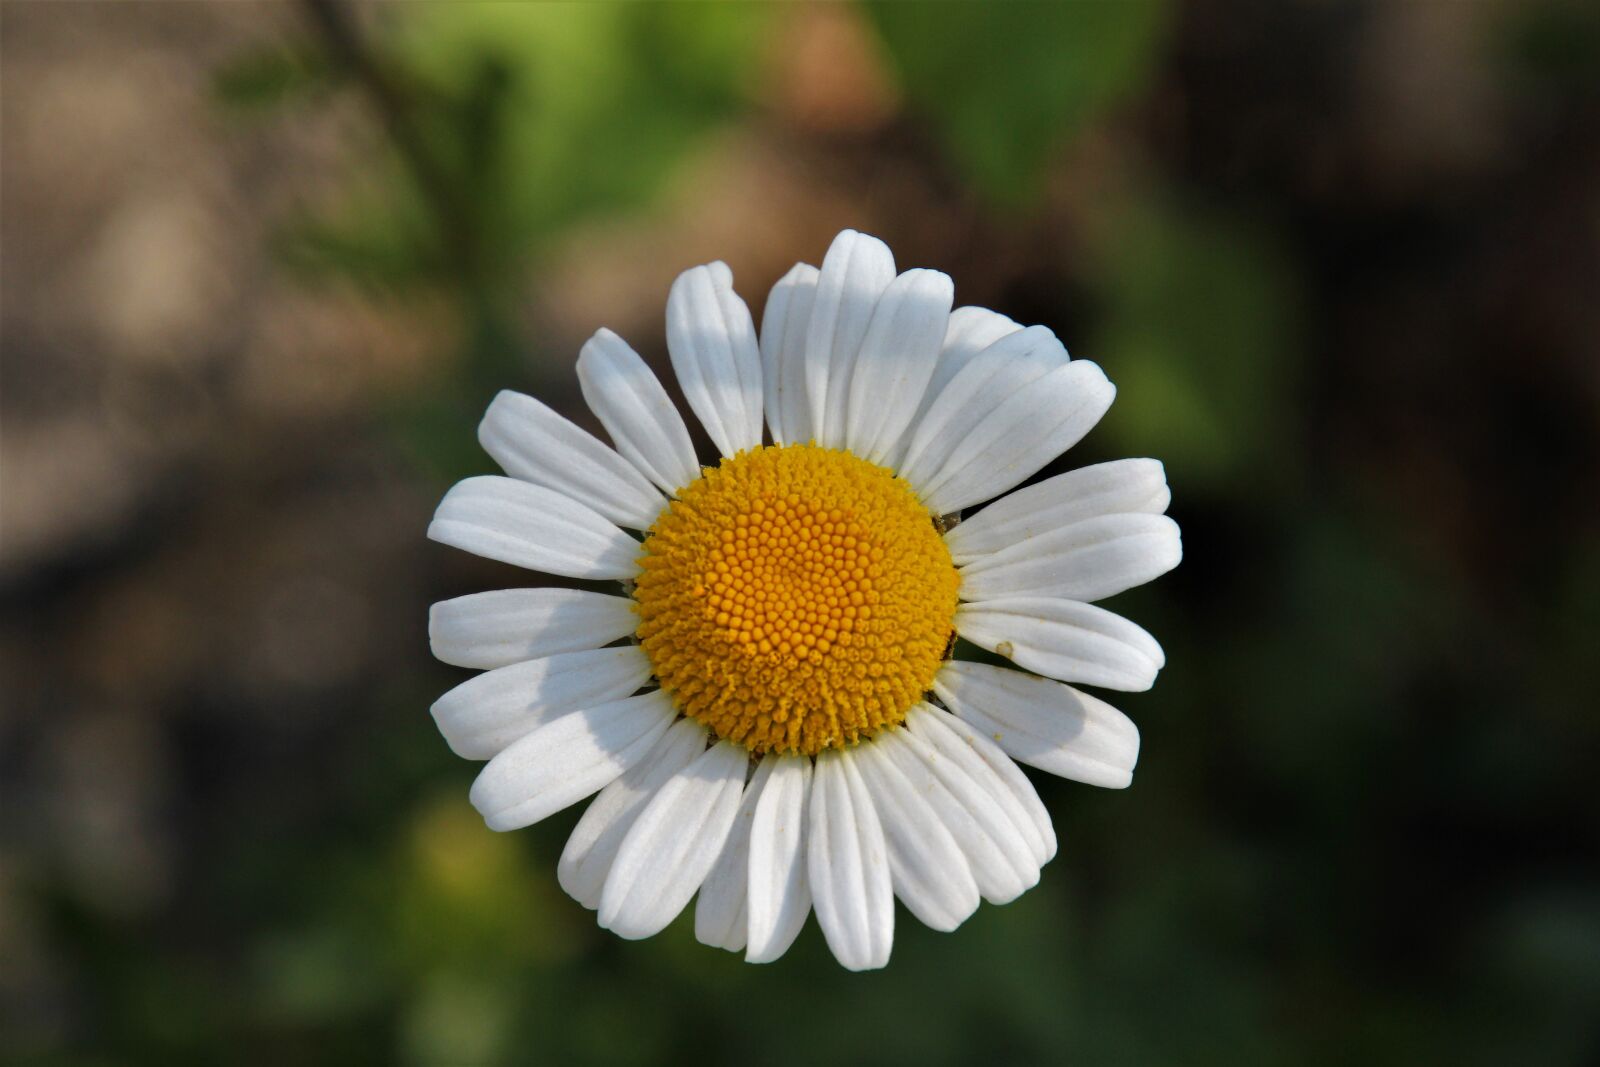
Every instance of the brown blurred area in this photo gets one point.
(193, 497)
(197, 531)
(214, 490)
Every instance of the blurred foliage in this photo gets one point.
(1198, 313)
(1554, 41)
(1361, 824)
(577, 109)
(1006, 84)
(536, 115)
(268, 78)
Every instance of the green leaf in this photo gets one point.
(596, 106)
(1007, 83)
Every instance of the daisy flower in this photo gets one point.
(770, 708)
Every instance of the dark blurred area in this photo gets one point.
(264, 265)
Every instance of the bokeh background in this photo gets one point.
(264, 264)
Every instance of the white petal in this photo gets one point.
(631, 404)
(847, 864)
(590, 851)
(897, 358)
(1001, 857)
(1021, 435)
(671, 846)
(779, 895)
(511, 625)
(719, 912)
(999, 372)
(1121, 486)
(926, 866)
(533, 443)
(534, 527)
(970, 331)
(855, 272)
(1064, 639)
(713, 346)
(568, 758)
(1042, 723)
(783, 354)
(1086, 560)
(484, 714)
(991, 768)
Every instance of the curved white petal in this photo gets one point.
(592, 848)
(779, 895)
(1001, 857)
(512, 625)
(897, 358)
(992, 769)
(1086, 560)
(671, 846)
(1026, 431)
(568, 758)
(1064, 639)
(1042, 723)
(712, 341)
(631, 404)
(847, 865)
(1122, 486)
(855, 272)
(484, 714)
(531, 526)
(532, 442)
(783, 354)
(970, 331)
(929, 873)
(719, 911)
(988, 380)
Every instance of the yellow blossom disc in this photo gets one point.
(796, 598)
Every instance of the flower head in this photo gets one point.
(771, 712)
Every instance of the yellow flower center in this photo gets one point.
(796, 598)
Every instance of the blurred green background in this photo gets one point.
(265, 264)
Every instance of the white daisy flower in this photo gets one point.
(770, 711)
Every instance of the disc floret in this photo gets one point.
(796, 598)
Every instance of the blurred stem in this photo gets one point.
(346, 46)
(448, 199)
